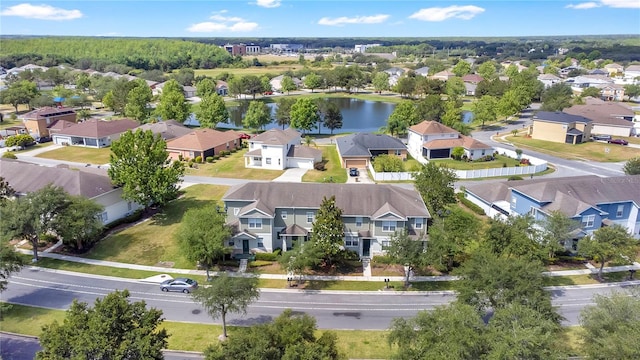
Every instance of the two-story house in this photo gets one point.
(560, 127)
(277, 149)
(40, 120)
(267, 216)
(434, 140)
(592, 201)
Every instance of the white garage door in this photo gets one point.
(300, 163)
(61, 140)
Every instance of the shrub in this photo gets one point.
(19, 140)
(388, 163)
(466, 202)
(349, 255)
(266, 256)
(525, 162)
(259, 263)
(198, 159)
(180, 157)
(216, 157)
(382, 259)
(190, 163)
(9, 155)
(48, 238)
(514, 177)
(209, 159)
(135, 216)
(319, 166)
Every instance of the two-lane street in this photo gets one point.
(332, 310)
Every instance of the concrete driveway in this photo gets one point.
(363, 178)
(291, 175)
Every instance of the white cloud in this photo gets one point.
(373, 19)
(41, 12)
(223, 23)
(583, 6)
(628, 4)
(268, 3)
(465, 12)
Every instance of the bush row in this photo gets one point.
(473, 207)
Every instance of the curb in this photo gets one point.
(18, 335)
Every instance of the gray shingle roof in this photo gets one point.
(276, 136)
(169, 129)
(360, 144)
(560, 117)
(353, 199)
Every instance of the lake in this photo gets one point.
(357, 116)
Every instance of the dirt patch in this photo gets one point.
(166, 264)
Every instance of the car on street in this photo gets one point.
(184, 285)
(618, 141)
(354, 172)
(601, 137)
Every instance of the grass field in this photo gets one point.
(79, 154)
(151, 242)
(333, 168)
(472, 165)
(274, 70)
(7, 122)
(232, 166)
(594, 151)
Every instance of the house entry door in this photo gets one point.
(366, 247)
(245, 246)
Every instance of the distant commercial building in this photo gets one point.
(242, 49)
(363, 47)
(286, 47)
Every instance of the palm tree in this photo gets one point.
(308, 141)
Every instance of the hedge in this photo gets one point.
(473, 207)
(135, 216)
(266, 256)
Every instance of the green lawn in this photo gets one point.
(152, 242)
(473, 165)
(274, 70)
(29, 320)
(7, 122)
(594, 151)
(79, 154)
(333, 168)
(232, 166)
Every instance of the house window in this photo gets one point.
(231, 243)
(587, 221)
(351, 242)
(419, 223)
(191, 154)
(227, 146)
(268, 161)
(359, 221)
(258, 159)
(260, 243)
(514, 201)
(398, 152)
(284, 214)
(264, 147)
(388, 226)
(236, 211)
(104, 216)
(386, 245)
(620, 211)
(482, 152)
(255, 223)
(309, 217)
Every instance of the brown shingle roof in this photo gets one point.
(604, 113)
(95, 128)
(203, 139)
(276, 136)
(26, 178)
(431, 127)
(304, 152)
(47, 111)
(59, 125)
(472, 78)
(353, 199)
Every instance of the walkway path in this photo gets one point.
(291, 175)
(159, 269)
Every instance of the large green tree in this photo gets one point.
(332, 117)
(487, 70)
(461, 68)
(455, 88)
(114, 328)
(408, 252)
(283, 111)
(609, 243)
(138, 100)
(313, 81)
(258, 115)
(611, 327)
(287, 84)
(557, 97)
(403, 116)
(450, 238)
(79, 225)
(485, 110)
(514, 236)
(380, 82)
(327, 234)
(139, 162)
(202, 235)
(557, 229)
(21, 92)
(212, 111)
(632, 166)
(406, 86)
(304, 114)
(226, 294)
(289, 337)
(430, 108)
(172, 104)
(10, 262)
(435, 185)
(116, 99)
(205, 87)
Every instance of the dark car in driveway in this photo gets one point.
(618, 142)
(354, 172)
(44, 139)
(184, 285)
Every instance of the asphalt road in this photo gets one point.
(332, 310)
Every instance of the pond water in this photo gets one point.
(357, 116)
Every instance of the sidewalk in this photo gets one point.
(162, 270)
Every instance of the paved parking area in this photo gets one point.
(363, 178)
(291, 175)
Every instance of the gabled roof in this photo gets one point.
(294, 230)
(560, 117)
(25, 178)
(632, 68)
(353, 199)
(385, 210)
(472, 78)
(168, 130)
(276, 137)
(422, 71)
(304, 152)
(257, 206)
(47, 111)
(613, 66)
(466, 142)
(202, 139)
(95, 128)
(361, 144)
(432, 127)
(59, 125)
(606, 113)
(550, 77)
(444, 73)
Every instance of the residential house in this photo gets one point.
(611, 92)
(601, 72)
(93, 133)
(560, 127)
(222, 88)
(37, 122)
(423, 71)
(632, 72)
(95, 185)
(443, 75)
(608, 118)
(591, 200)
(59, 125)
(394, 71)
(189, 91)
(614, 69)
(276, 82)
(267, 216)
(358, 150)
(203, 143)
(434, 140)
(168, 130)
(471, 83)
(548, 80)
(277, 149)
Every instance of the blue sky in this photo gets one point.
(319, 18)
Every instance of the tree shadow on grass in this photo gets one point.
(173, 212)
